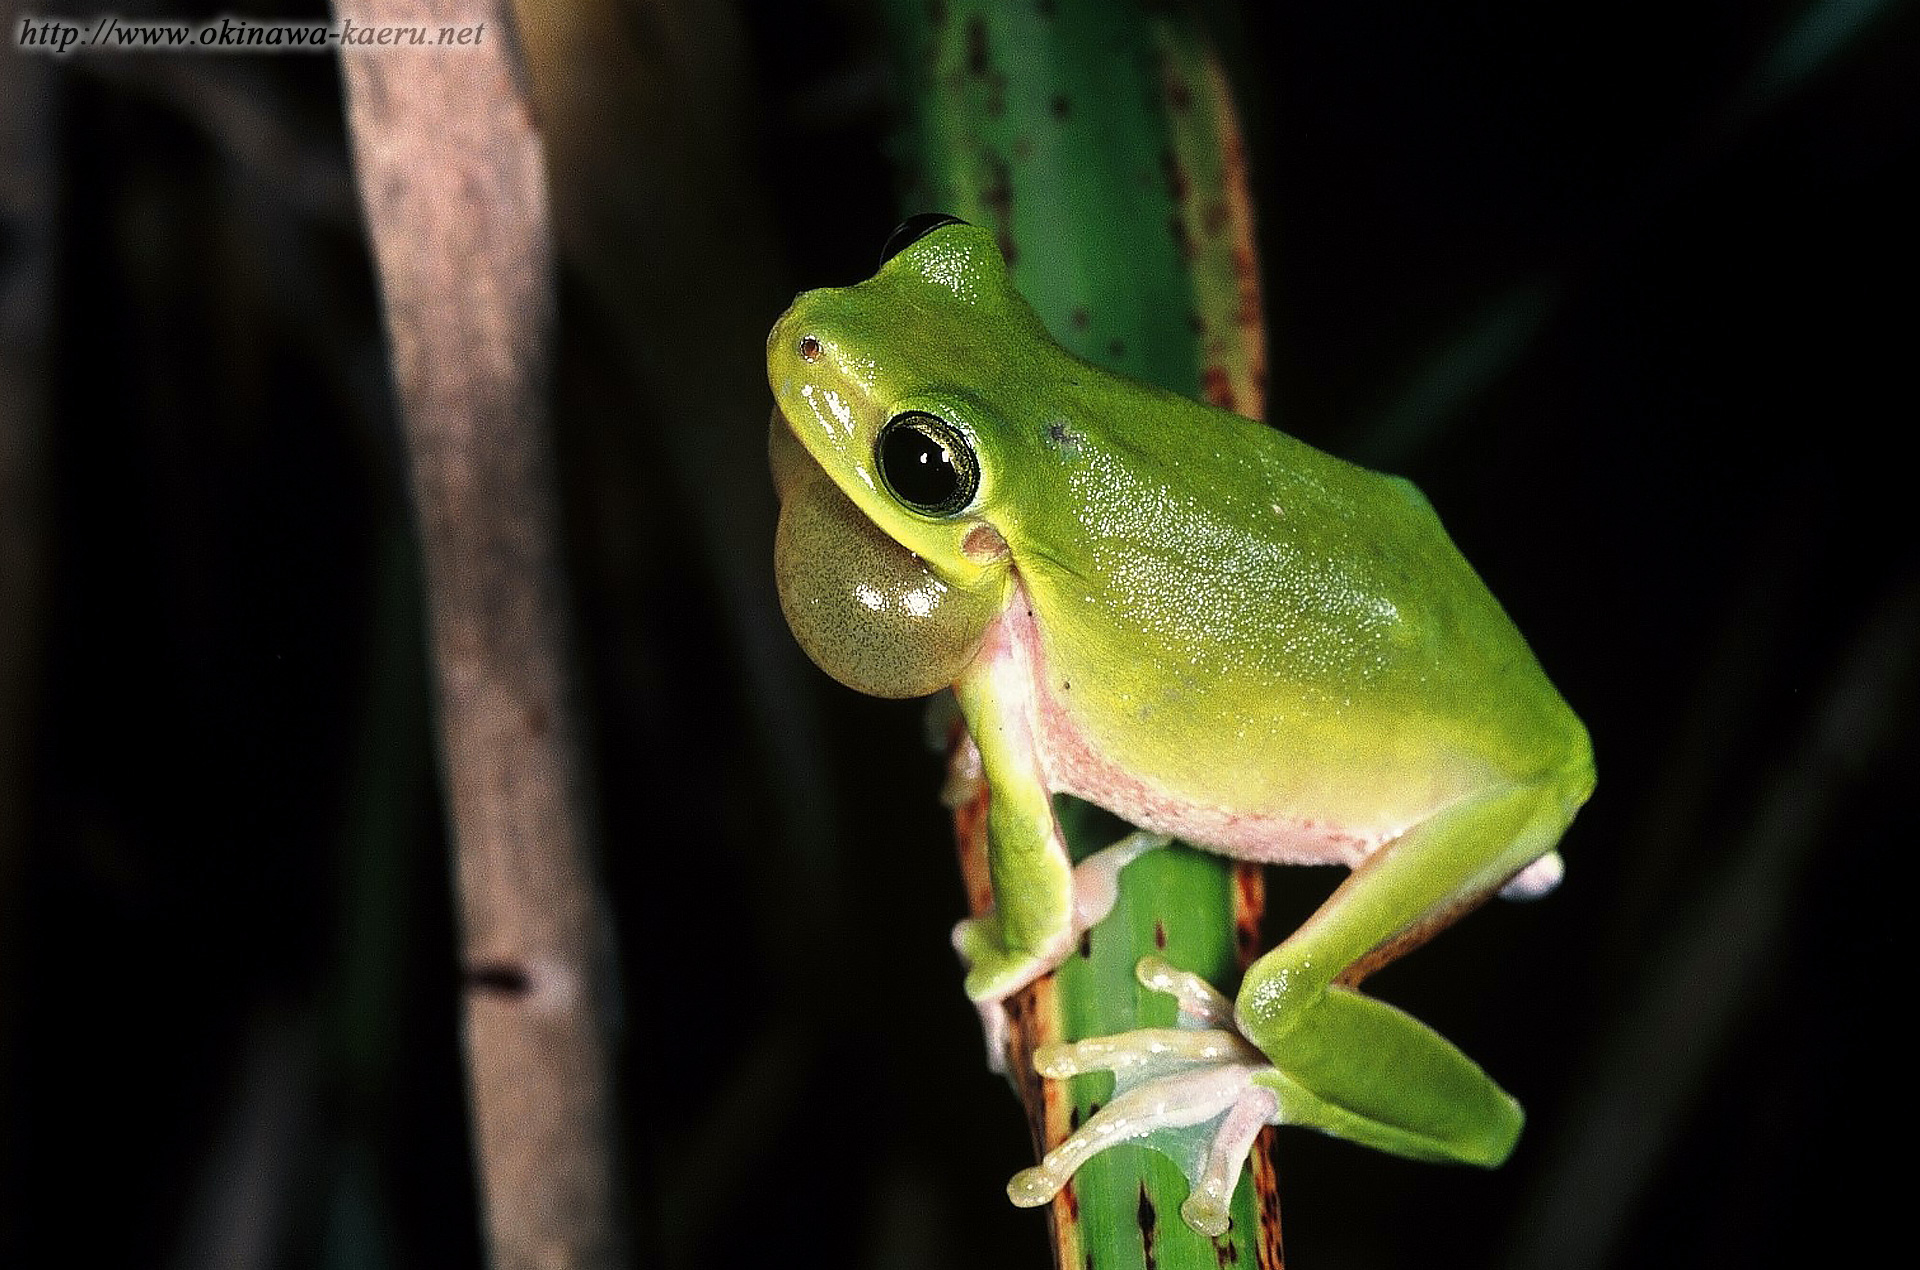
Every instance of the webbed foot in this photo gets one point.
(1200, 1093)
(1187, 1092)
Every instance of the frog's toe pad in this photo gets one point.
(1187, 1093)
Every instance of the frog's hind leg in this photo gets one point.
(1360, 1068)
(1300, 1048)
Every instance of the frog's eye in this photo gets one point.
(912, 230)
(927, 463)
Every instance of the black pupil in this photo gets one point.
(919, 466)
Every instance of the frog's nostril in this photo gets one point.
(809, 349)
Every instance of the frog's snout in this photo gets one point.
(790, 339)
(799, 360)
(780, 347)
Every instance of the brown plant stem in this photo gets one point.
(452, 181)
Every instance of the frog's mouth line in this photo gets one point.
(865, 607)
(787, 455)
(798, 475)
(809, 495)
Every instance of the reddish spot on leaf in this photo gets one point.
(1179, 92)
(1217, 386)
(1176, 174)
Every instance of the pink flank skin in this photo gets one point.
(1072, 765)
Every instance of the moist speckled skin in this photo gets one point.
(1199, 575)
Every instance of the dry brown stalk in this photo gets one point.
(452, 180)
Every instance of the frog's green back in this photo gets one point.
(1224, 580)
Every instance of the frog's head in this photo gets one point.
(890, 559)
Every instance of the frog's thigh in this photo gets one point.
(1456, 855)
(1407, 1089)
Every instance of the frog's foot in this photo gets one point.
(996, 971)
(1186, 1092)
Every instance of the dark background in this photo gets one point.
(1622, 288)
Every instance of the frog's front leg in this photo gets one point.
(1041, 901)
(1324, 1056)
(996, 971)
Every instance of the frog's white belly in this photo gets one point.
(1073, 764)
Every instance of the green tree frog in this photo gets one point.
(1206, 626)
